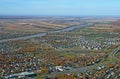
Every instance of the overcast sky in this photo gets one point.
(60, 7)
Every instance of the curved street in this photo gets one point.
(88, 68)
(113, 53)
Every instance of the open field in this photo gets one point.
(17, 27)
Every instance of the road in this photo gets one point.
(73, 70)
(113, 53)
(88, 68)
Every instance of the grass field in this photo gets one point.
(10, 28)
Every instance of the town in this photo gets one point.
(90, 52)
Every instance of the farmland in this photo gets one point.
(18, 27)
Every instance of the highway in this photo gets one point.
(113, 53)
(88, 68)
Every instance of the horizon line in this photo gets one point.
(59, 15)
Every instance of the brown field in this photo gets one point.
(20, 27)
(10, 28)
(30, 26)
(36, 25)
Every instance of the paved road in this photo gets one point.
(112, 54)
(88, 68)
(73, 70)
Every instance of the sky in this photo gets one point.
(60, 7)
